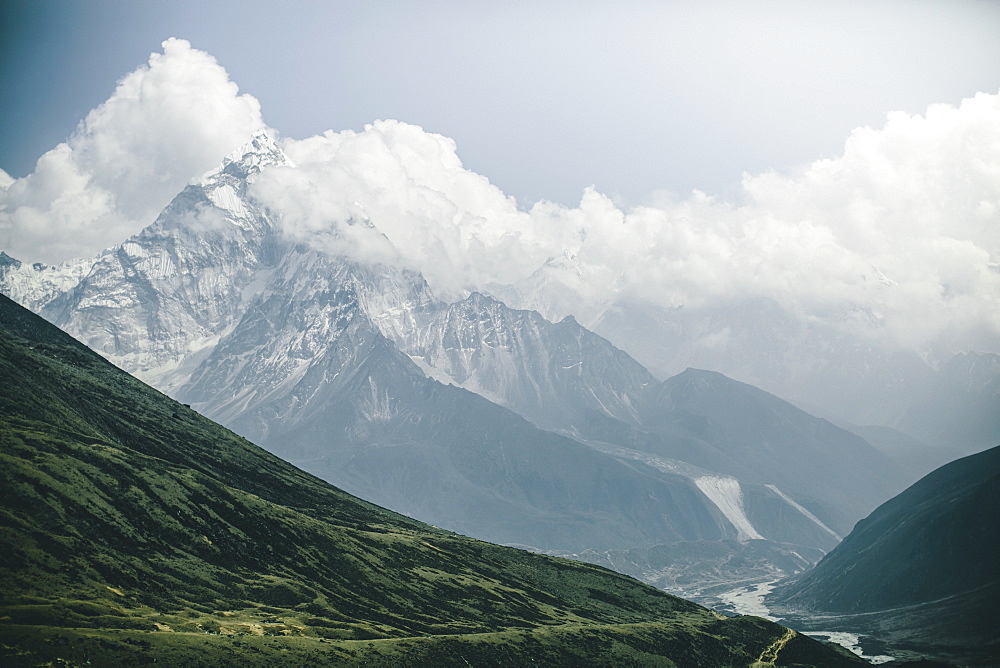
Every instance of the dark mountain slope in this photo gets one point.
(308, 375)
(133, 529)
(923, 565)
(747, 432)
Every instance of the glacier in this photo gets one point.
(727, 496)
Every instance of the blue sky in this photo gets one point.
(543, 98)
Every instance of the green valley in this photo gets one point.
(134, 530)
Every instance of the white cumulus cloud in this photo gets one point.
(903, 227)
(444, 220)
(165, 123)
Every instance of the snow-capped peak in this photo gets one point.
(226, 185)
(249, 159)
(34, 285)
(882, 278)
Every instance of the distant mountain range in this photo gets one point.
(920, 572)
(137, 531)
(472, 415)
(961, 405)
(836, 372)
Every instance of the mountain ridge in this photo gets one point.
(323, 359)
(942, 532)
(135, 529)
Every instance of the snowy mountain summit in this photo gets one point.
(167, 293)
(226, 186)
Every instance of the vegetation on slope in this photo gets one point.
(133, 529)
(921, 571)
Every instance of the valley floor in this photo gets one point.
(749, 599)
(646, 644)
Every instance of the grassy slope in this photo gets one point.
(920, 572)
(133, 528)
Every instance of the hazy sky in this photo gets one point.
(553, 142)
(544, 98)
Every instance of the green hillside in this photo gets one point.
(133, 530)
(920, 573)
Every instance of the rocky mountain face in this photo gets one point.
(554, 374)
(137, 531)
(307, 374)
(153, 303)
(35, 285)
(472, 415)
(920, 570)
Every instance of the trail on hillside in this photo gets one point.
(770, 655)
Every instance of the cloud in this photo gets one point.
(442, 219)
(165, 123)
(315, 207)
(920, 200)
(898, 236)
(903, 228)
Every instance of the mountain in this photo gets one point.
(565, 378)
(921, 571)
(136, 531)
(472, 415)
(155, 304)
(308, 365)
(776, 472)
(308, 375)
(961, 405)
(835, 372)
(746, 432)
(285, 344)
(838, 371)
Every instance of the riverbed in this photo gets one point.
(749, 600)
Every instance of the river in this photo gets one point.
(749, 600)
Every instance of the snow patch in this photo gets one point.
(377, 406)
(256, 285)
(226, 198)
(787, 499)
(727, 495)
(433, 372)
